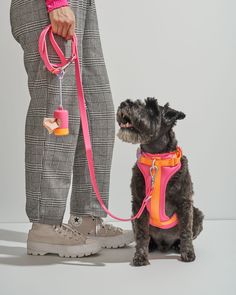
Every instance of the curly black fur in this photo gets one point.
(151, 125)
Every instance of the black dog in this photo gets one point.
(150, 125)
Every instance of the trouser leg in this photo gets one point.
(101, 120)
(48, 158)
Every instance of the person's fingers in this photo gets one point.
(71, 28)
(71, 32)
(60, 25)
(65, 30)
(67, 27)
(54, 26)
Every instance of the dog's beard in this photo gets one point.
(129, 135)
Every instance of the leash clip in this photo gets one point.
(153, 167)
(72, 58)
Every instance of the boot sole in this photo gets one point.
(37, 248)
(115, 242)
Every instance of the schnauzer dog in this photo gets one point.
(151, 125)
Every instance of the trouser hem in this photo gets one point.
(93, 213)
(47, 221)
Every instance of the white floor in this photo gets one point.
(213, 271)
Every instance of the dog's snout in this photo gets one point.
(123, 118)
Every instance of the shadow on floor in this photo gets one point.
(17, 255)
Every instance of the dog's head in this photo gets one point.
(143, 122)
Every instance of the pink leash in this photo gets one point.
(56, 69)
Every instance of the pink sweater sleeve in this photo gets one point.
(53, 4)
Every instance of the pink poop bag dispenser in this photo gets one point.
(58, 124)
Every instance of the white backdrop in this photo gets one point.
(178, 51)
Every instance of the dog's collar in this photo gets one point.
(163, 159)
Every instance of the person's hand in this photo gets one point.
(63, 22)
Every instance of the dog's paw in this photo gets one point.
(140, 259)
(188, 256)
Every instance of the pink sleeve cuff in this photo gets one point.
(53, 4)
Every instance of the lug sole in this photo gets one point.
(74, 251)
(114, 242)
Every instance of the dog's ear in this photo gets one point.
(152, 105)
(170, 115)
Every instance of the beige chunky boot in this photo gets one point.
(107, 235)
(59, 239)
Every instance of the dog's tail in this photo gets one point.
(198, 217)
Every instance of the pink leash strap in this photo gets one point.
(55, 69)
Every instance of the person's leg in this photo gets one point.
(101, 120)
(85, 210)
(48, 158)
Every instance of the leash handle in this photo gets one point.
(56, 69)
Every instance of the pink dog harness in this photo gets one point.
(164, 165)
(167, 171)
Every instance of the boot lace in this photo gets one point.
(106, 227)
(68, 232)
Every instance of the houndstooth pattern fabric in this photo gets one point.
(51, 161)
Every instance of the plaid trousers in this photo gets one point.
(51, 162)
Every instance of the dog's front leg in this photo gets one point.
(185, 216)
(140, 225)
(141, 233)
